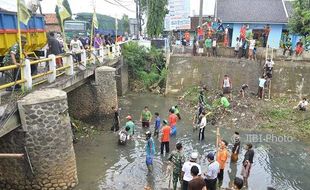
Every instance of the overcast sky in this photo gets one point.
(103, 7)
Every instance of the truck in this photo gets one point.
(34, 32)
(76, 27)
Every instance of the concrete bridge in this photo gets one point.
(36, 150)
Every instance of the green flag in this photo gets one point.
(23, 12)
(95, 21)
(62, 11)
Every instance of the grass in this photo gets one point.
(278, 113)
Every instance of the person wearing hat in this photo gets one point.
(13, 58)
(165, 137)
(150, 151)
(211, 175)
(131, 125)
(186, 169)
(176, 160)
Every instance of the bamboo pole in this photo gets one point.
(21, 55)
(92, 29)
(11, 155)
(64, 35)
(217, 139)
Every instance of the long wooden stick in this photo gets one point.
(217, 137)
(11, 155)
(269, 92)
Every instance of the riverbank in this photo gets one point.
(275, 115)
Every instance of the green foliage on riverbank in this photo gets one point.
(145, 65)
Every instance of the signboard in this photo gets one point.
(179, 24)
(179, 15)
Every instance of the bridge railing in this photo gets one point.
(52, 71)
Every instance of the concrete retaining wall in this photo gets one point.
(290, 77)
(48, 138)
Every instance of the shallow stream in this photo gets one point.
(280, 162)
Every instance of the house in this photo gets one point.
(51, 23)
(257, 14)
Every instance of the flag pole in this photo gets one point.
(116, 27)
(92, 29)
(20, 46)
(64, 35)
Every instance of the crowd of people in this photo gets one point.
(187, 172)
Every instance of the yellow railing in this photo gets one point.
(28, 81)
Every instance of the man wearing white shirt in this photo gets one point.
(186, 169)
(76, 47)
(212, 171)
(202, 126)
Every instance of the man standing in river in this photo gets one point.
(146, 117)
(150, 151)
(247, 163)
(177, 160)
(221, 158)
(116, 120)
(131, 125)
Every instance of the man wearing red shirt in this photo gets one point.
(173, 122)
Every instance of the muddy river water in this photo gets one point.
(281, 162)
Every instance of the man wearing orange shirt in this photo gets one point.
(173, 122)
(221, 158)
(200, 33)
(165, 137)
(187, 36)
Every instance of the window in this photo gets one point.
(75, 26)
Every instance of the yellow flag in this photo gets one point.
(24, 14)
(62, 11)
(95, 21)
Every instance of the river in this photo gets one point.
(280, 162)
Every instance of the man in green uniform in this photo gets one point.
(146, 117)
(177, 160)
(13, 58)
(131, 125)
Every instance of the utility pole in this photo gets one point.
(200, 12)
(137, 19)
(140, 17)
(215, 9)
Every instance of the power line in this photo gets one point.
(117, 1)
(118, 4)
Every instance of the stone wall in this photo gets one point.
(122, 77)
(48, 139)
(290, 77)
(93, 100)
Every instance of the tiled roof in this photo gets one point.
(251, 11)
(51, 19)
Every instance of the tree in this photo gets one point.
(125, 23)
(156, 12)
(300, 20)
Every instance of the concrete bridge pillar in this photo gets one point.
(105, 84)
(48, 139)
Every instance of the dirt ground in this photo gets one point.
(276, 115)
